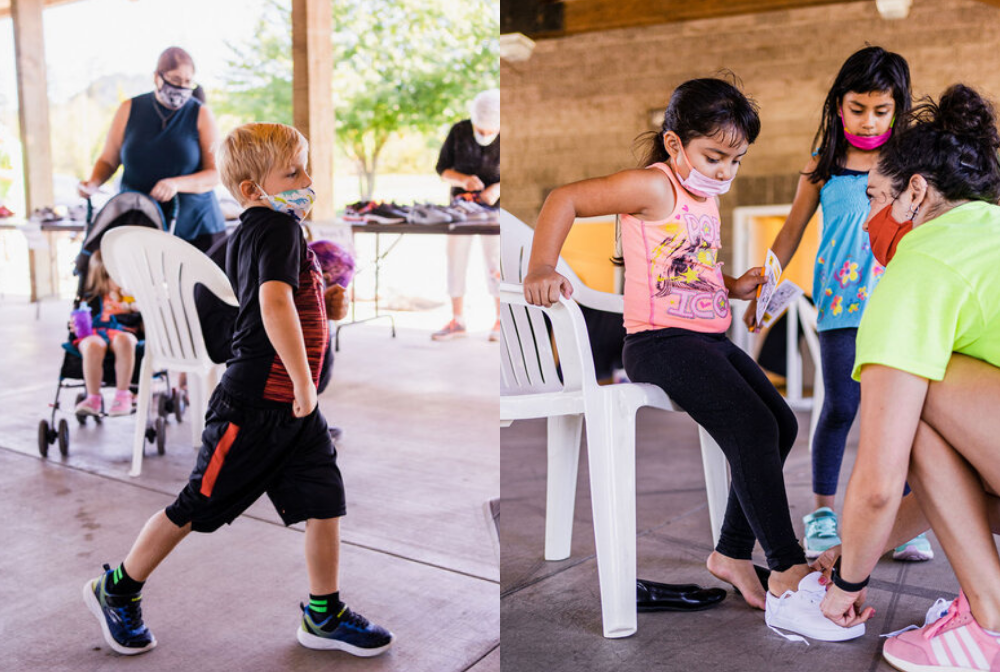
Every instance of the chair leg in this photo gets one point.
(564, 458)
(611, 458)
(716, 481)
(196, 393)
(142, 412)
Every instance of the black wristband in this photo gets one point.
(847, 586)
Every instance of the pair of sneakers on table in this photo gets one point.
(120, 616)
(92, 404)
(821, 535)
(456, 329)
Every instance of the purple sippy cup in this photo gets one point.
(83, 326)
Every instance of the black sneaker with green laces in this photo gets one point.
(345, 631)
(120, 616)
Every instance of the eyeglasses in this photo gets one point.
(191, 86)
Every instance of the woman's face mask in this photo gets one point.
(484, 137)
(171, 96)
(885, 233)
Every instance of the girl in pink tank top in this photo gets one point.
(676, 314)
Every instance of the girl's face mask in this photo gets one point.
(866, 142)
(172, 97)
(702, 185)
(294, 202)
(885, 233)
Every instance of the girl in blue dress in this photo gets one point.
(870, 96)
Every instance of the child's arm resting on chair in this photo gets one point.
(281, 322)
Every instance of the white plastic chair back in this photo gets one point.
(161, 271)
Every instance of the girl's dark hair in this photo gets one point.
(703, 108)
(871, 69)
(952, 144)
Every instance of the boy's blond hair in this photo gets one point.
(252, 150)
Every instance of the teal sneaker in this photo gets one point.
(821, 532)
(917, 549)
(347, 631)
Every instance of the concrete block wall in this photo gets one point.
(573, 110)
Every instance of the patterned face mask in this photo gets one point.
(172, 97)
(294, 202)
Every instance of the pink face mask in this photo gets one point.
(866, 142)
(703, 185)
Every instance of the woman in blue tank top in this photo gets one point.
(163, 140)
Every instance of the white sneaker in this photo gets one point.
(799, 612)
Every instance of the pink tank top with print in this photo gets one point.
(672, 274)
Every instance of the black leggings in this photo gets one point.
(725, 392)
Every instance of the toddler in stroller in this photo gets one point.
(115, 326)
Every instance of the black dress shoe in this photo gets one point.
(763, 575)
(651, 596)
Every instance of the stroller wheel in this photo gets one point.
(43, 438)
(162, 405)
(63, 436)
(161, 436)
(151, 433)
(81, 417)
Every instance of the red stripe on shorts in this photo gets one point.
(218, 457)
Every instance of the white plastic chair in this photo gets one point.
(161, 271)
(531, 388)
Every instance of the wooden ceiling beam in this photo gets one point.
(581, 16)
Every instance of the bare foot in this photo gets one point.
(789, 579)
(739, 573)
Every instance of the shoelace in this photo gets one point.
(814, 597)
(937, 611)
(824, 527)
(939, 624)
(131, 615)
(354, 619)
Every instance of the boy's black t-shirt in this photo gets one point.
(268, 246)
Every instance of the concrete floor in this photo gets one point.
(550, 611)
(420, 463)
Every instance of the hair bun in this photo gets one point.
(962, 111)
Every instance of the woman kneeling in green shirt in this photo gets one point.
(928, 353)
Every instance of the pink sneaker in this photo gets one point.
(953, 642)
(122, 405)
(453, 329)
(89, 406)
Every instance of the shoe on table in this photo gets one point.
(91, 405)
(495, 331)
(953, 642)
(821, 532)
(120, 616)
(799, 612)
(122, 405)
(347, 631)
(454, 329)
(917, 549)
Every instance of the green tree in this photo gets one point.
(399, 66)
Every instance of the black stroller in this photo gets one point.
(128, 208)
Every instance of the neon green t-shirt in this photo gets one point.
(940, 294)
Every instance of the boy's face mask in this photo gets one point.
(885, 233)
(294, 202)
(172, 97)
